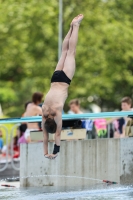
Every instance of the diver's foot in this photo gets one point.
(77, 20)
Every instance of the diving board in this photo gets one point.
(70, 117)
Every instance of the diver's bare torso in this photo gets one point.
(55, 99)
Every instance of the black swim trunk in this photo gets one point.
(60, 76)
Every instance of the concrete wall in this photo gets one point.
(109, 159)
(126, 161)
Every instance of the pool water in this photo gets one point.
(122, 193)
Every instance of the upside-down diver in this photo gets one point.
(60, 81)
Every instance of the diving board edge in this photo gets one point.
(70, 117)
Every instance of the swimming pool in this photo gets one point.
(123, 193)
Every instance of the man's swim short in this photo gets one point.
(60, 76)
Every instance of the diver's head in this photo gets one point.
(50, 125)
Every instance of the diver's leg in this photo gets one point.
(69, 64)
(65, 44)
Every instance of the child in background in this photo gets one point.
(119, 124)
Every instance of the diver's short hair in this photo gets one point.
(50, 125)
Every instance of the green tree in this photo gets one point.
(29, 43)
(28, 37)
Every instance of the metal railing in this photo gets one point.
(70, 117)
(12, 150)
(64, 117)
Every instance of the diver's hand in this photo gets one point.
(51, 156)
(47, 156)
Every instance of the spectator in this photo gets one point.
(25, 106)
(16, 147)
(87, 124)
(120, 123)
(33, 109)
(1, 141)
(74, 107)
(22, 128)
(126, 104)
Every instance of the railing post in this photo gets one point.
(108, 130)
(6, 164)
(11, 136)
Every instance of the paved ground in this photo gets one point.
(9, 172)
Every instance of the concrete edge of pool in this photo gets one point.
(109, 159)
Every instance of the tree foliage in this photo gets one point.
(29, 47)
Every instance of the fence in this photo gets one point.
(6, 161)
(91, 134)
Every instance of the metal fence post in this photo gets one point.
(108, 130)
(6, 164)
(11, 136)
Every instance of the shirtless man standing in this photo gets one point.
(33, 109)
(60, 81)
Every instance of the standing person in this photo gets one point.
(22, 128)
(120, 123)
(60, 81)
(75, 106)
(33, 109)
(25, 106)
